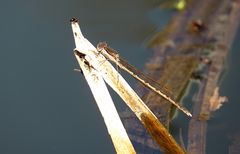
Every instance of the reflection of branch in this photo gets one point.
(181, 139)
(216, 101)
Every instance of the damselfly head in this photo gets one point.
(101, 45)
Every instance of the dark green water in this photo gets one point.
(46, 107)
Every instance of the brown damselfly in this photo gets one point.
(113, 56)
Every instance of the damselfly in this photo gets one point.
(113, 56)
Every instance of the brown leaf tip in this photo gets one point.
(73, 20)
